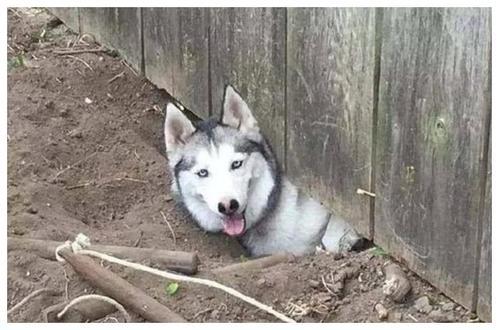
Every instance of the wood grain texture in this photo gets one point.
(247, 50)
(431, 118)
(484, 302)
(176, 54)
(330, 56)
(117, 28)
(68, 16)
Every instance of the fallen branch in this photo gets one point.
(184, 262)
(82, 242)
(114, 286)
(255, 264)
(183, 278)
(70, 51)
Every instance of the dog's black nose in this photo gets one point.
(232, 207)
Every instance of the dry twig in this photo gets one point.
(128, 66)
(80, 60)
(171, 229)
(73, 165)
(69, 51)
(116, 77)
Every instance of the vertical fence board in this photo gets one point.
(118, 28)
(176, 54)
(68, 15)
(484, 303)
(432, 106)
(247, 50)
(329, 106)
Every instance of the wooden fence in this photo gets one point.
(392, 101)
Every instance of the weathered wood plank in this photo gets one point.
(484, 303)
(247, 50)
(431, 117)
(68, 16)
(117, 28)
(329, 106)
(176, 54)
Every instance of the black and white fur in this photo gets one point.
(227, 176)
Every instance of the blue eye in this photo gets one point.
(237, 164)
(202, 173)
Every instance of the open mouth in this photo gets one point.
(234, 224)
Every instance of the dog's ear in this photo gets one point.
(177, 127)
(236, 113)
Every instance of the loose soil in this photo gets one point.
(86, 154)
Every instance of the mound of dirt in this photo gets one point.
(86, 154)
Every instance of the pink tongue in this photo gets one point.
(234, 225)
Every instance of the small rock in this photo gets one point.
(422, 305)
(63, 112)
(382, 311)
(338, 256)
(88, 101)
(260, 283)
(49, 105)
(323, 297)
(395, 317)
(439, 316)
(314, 283)
(448, 306)
(214, 314)
(76, 134)
(32, 210)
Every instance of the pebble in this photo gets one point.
(382, 311)
(261, 283)
(422, 305)
(214, 314)
(395, 317)
(314, 283)
(76, 134)
(32, 210)
(439, 316)
(448, 306)
(49, 105)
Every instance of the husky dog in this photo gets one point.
(226, 175)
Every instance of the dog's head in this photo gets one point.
(220, 166)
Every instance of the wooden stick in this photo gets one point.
(85, 311)
(255, 264)
(183, 262)
(114, 286)
(79, 51)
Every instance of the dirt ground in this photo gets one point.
(86, 154)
